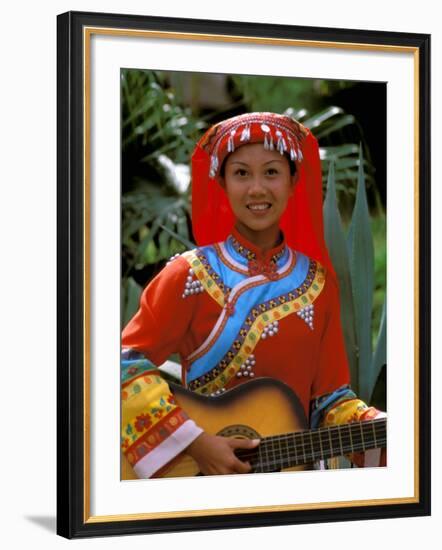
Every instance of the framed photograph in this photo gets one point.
(136, 98)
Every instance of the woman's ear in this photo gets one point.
(294, 180)
(221, 181)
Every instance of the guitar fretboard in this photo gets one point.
(287, 450)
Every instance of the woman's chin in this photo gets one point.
(260, 225)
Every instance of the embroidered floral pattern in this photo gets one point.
(149, 409)
(154, 436)
(143, 422)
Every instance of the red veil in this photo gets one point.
(302, 221)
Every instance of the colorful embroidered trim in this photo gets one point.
(156, 435)
(319, 406)
(346, 411)
(229, 308)
(146, 400)
(207, 276)
(249, 254)
(132, 369)
(230, 262)
(250, 333)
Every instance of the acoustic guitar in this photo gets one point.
(267, 409)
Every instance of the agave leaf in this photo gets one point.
(333, 126)
(320, 118)
(131, 292)
(361, 253)
(337, 246)
(189, 244)
(380, 354)
(338, 151)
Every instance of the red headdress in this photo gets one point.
(302, 221)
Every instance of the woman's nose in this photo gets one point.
(256, 186)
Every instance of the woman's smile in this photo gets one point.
(260, 208)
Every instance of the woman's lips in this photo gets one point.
(259, 208)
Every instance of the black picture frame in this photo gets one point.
(73, 516)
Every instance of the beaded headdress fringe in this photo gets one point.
(280, 134)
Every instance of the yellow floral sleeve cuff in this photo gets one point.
(346, 411)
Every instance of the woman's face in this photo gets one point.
(258, 185)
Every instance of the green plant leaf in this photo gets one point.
(333, 126)
(380, 354)
(131, 292)
(320, 118)
(189, 244)
(361, 253)
(333, 152)
(337, 246)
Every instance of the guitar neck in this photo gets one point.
(287, 450)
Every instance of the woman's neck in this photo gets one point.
(264, 240)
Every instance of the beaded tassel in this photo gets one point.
(270, 330)
(246, 368)
(230, 142)
(245, 134)
(217, 392)
(307, 314)
(214, 164)
(192, 286)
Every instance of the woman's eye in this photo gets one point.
(272, 171)
(241, 172)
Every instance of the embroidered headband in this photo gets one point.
(277, 133)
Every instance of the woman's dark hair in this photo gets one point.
(292, 166)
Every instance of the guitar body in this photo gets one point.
(258, 408)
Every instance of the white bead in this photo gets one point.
(264, 335)
(246, 373)
(252, 374)
(271, 333)
(191, 272)
(239, 374)
(249, 367)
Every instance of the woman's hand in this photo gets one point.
(215, 454)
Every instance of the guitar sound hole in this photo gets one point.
(240, 431)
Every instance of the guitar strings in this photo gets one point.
(252, 453)
(354, 427)
(331, 433)
(279, 462)
(290, 443)
(303, 448)
(334, 434)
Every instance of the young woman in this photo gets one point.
(257, 298)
